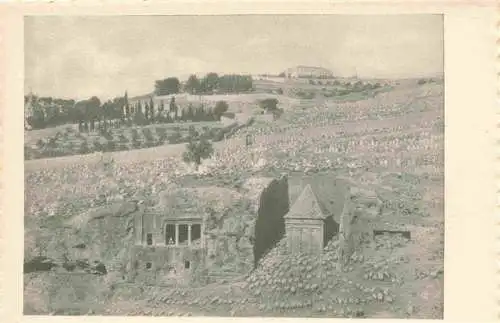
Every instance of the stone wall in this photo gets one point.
(305, 235)
(167, 265)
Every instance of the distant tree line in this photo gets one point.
(211, 83)
(50, 112)
(92, 114)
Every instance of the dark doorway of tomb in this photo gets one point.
(331, 228)
(270, 224)
(403, 233)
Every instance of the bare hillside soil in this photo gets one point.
(391, 144)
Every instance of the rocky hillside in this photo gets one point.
(104, 233)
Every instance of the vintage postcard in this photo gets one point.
(211, 162)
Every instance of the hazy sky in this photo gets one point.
(79, 57)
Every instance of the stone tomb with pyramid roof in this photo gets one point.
(315, 215)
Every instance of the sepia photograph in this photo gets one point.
(234, 165)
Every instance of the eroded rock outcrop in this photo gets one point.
(361, 210)
(232, 219)
(96, 240)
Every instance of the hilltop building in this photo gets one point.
(308, 72)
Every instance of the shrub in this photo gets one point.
(108, 136)
(122, 139)
(40, 143)
(358, 85)
(45, 152)
(70, 146)
(51, 153)
(175, 137)
(97, 145)
(110, 146)
(421, 82)
(160, 141)
(220, 108)
(150, 141)
(193, 133)
(140, 119)
(367, 87)
(207, 132)
(52, 143)
(218, 135)
(206, 129)
(161, 131)
(162, 138)
(84, 148)
(343, 92)
(135, 135)
(148, 135)
(269, 104)
(196, 151)
(136, 143)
